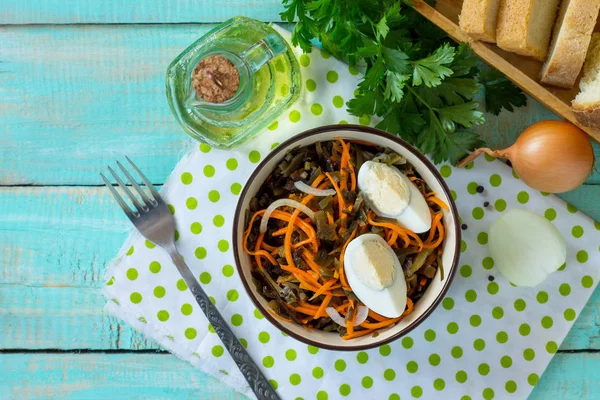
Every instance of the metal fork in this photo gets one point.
(154, 221)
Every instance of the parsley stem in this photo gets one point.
(431, 109)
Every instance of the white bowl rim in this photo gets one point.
(285, 146)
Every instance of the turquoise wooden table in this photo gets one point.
(82, 84)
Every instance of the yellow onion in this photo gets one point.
(549, 156)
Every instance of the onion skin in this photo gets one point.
(549, 156)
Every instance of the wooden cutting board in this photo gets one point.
(521, 70)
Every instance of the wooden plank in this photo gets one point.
(106, 376)
(141, 11)
(58, 316)
(152, 376)
(570, 376)
(55, 243)
(96, 93)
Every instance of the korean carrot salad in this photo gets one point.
(301, 221)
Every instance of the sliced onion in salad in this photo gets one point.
(361, 316)
(280, 203)
(303, 187)
(526, 248)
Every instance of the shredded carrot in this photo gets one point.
(308, 305)
(342, 307)
(409, 305)
(257, 252)
(279, 232)
(439, 202)
(340, 198)
(301, 274)
(357, 334)
(284, 216)
(346, 163)
(377, 317)
(303, 310)
(302, 243)
(268, 247)
(323, 306)
(379, 325)
(310, 262)
(305, 285)
(352, 178)
(350, 320)
(393, 237)
(323, 288)
(402, 233)
(416, 239)
(436, 226)
(423, 281)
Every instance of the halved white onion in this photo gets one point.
(335, 316)
(361, 316)
(280, 203)
(303, 187)
(525, 247)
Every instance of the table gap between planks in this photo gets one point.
(82, 84)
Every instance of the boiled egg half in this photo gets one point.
(375, 275)
(389, 193)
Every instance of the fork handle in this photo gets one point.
(257, 381)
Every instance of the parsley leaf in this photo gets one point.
(396, 60)
(417, 81)
(465, 114)
(382, 28)
(394, 85)
(430, 71)
(500, 92)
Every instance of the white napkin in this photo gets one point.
(487, 338)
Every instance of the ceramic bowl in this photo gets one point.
(437, 288)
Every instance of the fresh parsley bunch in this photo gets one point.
(417, 80)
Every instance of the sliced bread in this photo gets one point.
(586, 105)
(570, 42)
(525, 26)
(478, 18)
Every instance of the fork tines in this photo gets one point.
(146, 203)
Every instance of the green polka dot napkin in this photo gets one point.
(488, 339)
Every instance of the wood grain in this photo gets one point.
(522, 71)
(56, 242)
(106, 376)
(54, 246)
(162, 376)
(140, 11)
(75, 98)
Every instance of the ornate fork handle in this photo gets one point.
(258, 383)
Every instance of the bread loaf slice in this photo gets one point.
(525, 26)
(570, 42)
(586, 105)
(478, 18)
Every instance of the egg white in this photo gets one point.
(389, 302)
(415, 217)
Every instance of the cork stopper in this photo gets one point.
(215, 79)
